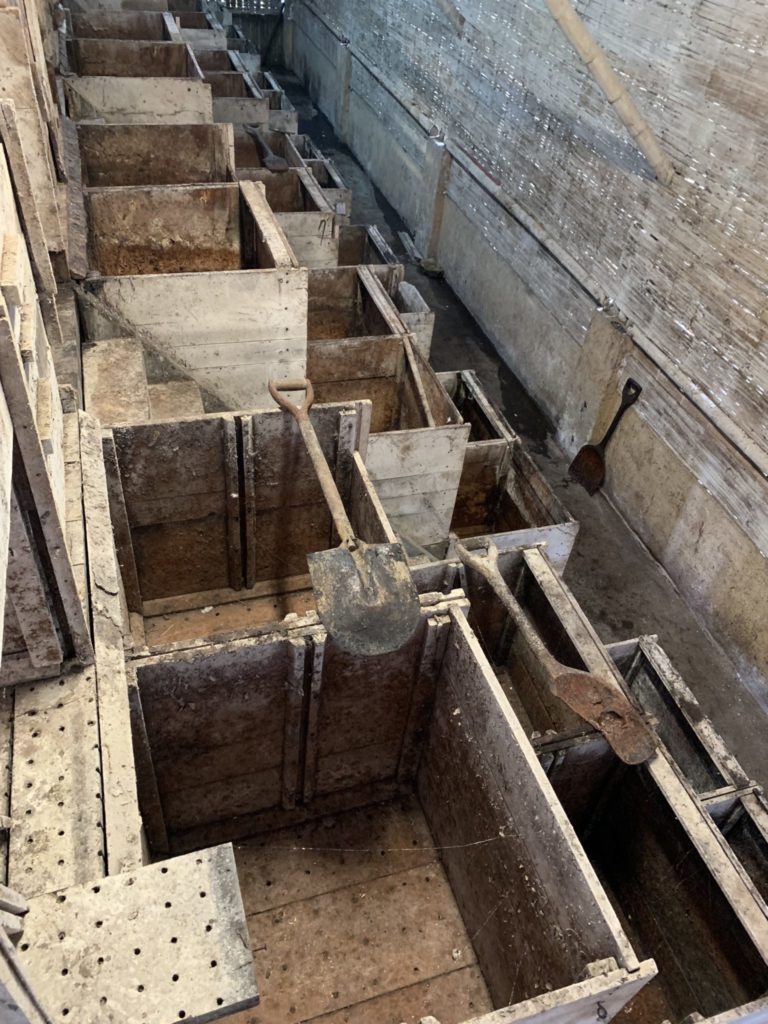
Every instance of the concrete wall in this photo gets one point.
(546, 219)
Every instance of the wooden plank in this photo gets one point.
(139, 100)
(317, 857)
(115, 381)
(122, 823)
(120, 525)
(146, 780)
(360, 729)
(410, 919)
(28, 592)
(194, 900)
(269, 237)
(216, 723)
(57, 838)
(233, 501)
(366, 513)
(22, 416)
(175, 399)
(26, 199)
(575, 1004)
(17, 84)
(18, 1002)
(240, 110)
(129, 228)
(416, 474)
(509, 824)
(6, 496)
(154, 154)
(6, 764)
(128, 58)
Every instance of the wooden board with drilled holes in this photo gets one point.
(163, 943)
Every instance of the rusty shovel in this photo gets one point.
(588, 467)
(365, 594)
(269, 159)
(601, 702)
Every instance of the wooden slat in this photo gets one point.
(17, 82)
(6, 467)
(28, 592)
(477, 748)
(269, 232)
(27, 203)
(121, 812)
(22, 416)
(139, 100)
(121, 526)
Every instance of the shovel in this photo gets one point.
(269, 159)
(588, 468)
(600, 702)
(364, 592)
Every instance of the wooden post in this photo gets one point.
(437, 169)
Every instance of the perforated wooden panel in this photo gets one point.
(162, 944)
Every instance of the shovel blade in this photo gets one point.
(365, 598)
(588, 468)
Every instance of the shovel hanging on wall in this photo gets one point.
(365, 594)
(588, 468)
(601, 702)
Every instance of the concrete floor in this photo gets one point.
(621, 587)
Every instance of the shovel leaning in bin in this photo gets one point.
(601, 702)
(365, 595)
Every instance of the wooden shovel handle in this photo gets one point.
(299, 412)
(323, 471)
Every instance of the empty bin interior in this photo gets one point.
(138, 25)
(670, 905)
(501, 489)
(128, 58)
(154, 154)
(148, 230)
(228, 83)
(341, 307)
(389, 865)
(214, 60)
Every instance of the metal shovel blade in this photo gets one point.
(608, 709)
(365, 596)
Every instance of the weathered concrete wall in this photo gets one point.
(548, 214)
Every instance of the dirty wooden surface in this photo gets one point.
(368, 936)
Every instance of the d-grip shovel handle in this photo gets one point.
(301, 414)
(629, 395)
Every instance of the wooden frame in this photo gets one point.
(215, 227)
(501, 491)
(653, 806)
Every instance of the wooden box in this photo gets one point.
(177, 229)
(237, 99)
(131, 58)
(137, 25)
(501, 491)
(225, 547)
(657, 833)
(400, 850)
(303, 212)
(155, 154)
